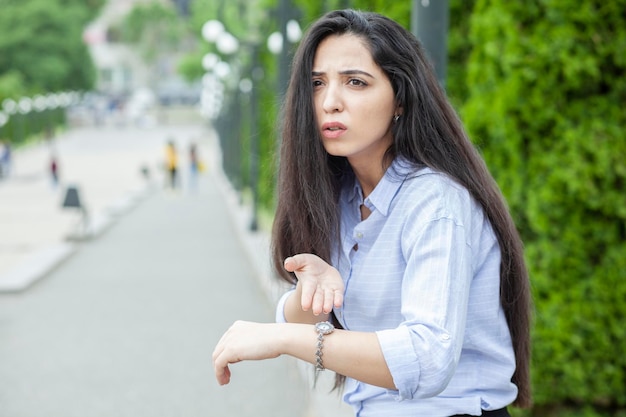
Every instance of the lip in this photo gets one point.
(332, 130)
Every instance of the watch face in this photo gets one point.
(324, 327)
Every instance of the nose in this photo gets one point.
(332, 100)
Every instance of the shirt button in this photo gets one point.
(359, 235)
(445, 337)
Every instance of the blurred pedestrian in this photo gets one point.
(171, 164)
(54, 170)
(408, 272)
(194, 166)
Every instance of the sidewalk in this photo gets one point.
(37, 235)
(104, 163)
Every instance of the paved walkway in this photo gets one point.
(124, 321)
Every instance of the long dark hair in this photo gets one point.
(428, 133)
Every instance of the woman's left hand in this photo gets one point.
(245, 341)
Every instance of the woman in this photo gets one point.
(391, 228)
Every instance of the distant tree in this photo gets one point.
(12, 85)
(42, 41)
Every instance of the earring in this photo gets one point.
(395, 118)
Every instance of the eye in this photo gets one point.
(317, 83)
(356, 82)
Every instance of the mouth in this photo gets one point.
(333, 129)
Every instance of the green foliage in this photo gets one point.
(12, 85)
(400, 11)
(42, 40)
(190, 66)
(459, 48)
(42, 51)
(545, 83)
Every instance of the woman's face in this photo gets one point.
(354, 101)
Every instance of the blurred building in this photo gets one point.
(121, 70)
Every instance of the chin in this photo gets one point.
(335, 152)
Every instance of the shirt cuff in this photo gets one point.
(402, 362)
(280, 307)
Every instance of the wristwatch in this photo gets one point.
(322, 328)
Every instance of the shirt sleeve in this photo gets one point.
(422, 353)
(280, 307)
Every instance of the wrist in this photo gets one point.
(323, 329)
(297, 340)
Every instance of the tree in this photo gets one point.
(42, 41)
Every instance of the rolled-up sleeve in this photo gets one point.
(417, 372)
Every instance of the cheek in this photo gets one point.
(317, 108)
(378, 116)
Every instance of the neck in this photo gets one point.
(369, 176)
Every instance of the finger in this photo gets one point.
(216, 352)
(221, 345)
(328, 301)
(318, 302)
(219, 364)
(222, 374)
(338, 297)
(308, 292)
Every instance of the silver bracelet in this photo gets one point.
(322, 328)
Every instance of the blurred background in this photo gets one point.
(540, 85)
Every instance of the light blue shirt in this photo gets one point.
(423, 272)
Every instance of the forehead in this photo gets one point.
(343, 51)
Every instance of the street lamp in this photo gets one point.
(212, 88)
(219, 72)
(275, 41)
(226, 43)
(39, 105)
(24, 106)
(209, 61)
(9, 106)
(294, 32)
(211, 30)
(214, 32)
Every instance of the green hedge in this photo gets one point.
(546, 96)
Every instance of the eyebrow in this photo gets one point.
(346, 72)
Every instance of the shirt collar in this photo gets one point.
(385, 191)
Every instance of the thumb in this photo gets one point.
(296, 262)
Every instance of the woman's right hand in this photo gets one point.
(320, 284)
